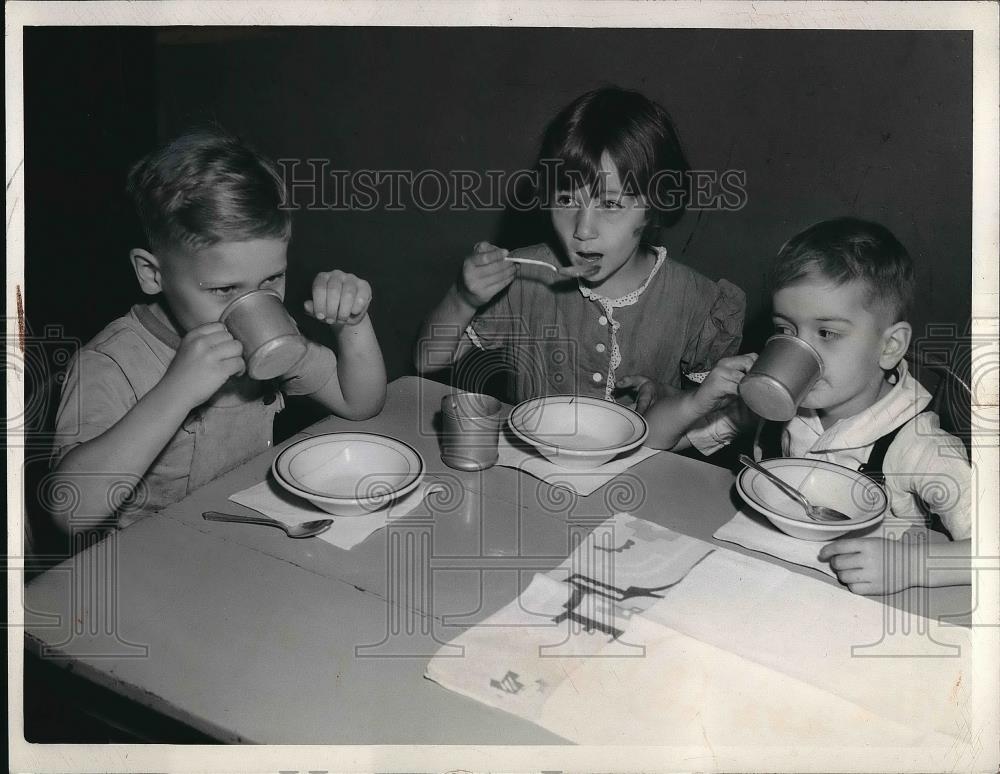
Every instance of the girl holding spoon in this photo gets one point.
(607, 313)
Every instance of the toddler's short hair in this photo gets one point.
(640, 138)
(206, 187)
(848, 249)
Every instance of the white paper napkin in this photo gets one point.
(347, 531)
(583, 482)
(707, 666)
(755, 532)
(897, 664)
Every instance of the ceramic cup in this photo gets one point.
(786, 370)
(272, 345)
(470, 430)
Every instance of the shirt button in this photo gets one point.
(600, 347)
(596, 377)
(602, 320)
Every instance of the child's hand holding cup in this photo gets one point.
(272, 344)
(722, 384)
(783, 375)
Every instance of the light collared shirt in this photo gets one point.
(926, 469)
(112, 372)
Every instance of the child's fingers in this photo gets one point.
(632, 380)
(495, 270)
(644, 398)
(494, 255)
(227, 348)
(507, 273)
(849, 577)
(234, 366)
(206, 329)
(483, 247)
(345, 302)
(210, 338)
(737, 364)
(321, 288)
(361, 301)
(210, 333)
(847, 562)
(847, 546)
(864, 589)
(497, 282)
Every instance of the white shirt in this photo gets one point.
(926, 469)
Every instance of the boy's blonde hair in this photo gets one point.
(846, 250)
(206, 187)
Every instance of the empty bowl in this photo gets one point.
(577, 432)
(349, 474)
(823, 483)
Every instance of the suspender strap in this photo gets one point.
(873, 468)
(769, 442)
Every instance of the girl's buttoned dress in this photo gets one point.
(561, 337)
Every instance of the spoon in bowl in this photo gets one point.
(304, 530)
(814, 512)
(562, 271)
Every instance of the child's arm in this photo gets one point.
(357, 388)
(207, 357)
(671, 417)
(484, 274)
(647, 391)
(874, 566)
(930, 465)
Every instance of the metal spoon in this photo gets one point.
(814, 512)
(562, 271)
(304, 530)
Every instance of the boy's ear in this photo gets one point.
(895, 342)
(147, 270)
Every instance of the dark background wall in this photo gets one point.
(876, 124)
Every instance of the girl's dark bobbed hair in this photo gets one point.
(641, 140)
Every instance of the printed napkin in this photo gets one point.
(734, 652)
(520, 456)
(753, 531)
(347, 531)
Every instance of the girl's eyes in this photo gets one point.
(787, 330)
(274, 279)
(566, 200)
(826, 333)
(223, 291)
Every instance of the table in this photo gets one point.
(246, 636)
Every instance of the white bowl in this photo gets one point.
(823, 483)
(577, 432)
(349, 474)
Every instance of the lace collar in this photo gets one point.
(629, 298)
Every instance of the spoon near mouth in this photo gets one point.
(814, 512)
(562, 271)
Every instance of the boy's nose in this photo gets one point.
(584, 228)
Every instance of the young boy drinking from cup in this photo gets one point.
(845, 286)
(159, 402)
